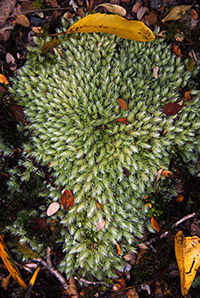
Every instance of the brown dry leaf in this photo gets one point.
(140, 254)
(132, 293)
(123, 104)
(179, 198)
(118, 284)
(141, 12)
(171, 108)
(116, 9)
(187, 95)
(151, 19)
(187, 251)
(113, 24)
(155, 71)
(177, 51)
(176, 13)
(130, 257)
(72, 289)
(6, 8)
(21, 19)
(67, 199)
(155, 224)
(5, 282)
(53, 208)
(16, 112)
(68, 15)
(52, 3)
(159, 174)
(136, 7)
(118, 248)
(11, 61)
(80, 12)
(167, 173)
(100, 225)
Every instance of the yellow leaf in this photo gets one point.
(22, 20)
(176, 13)
(32, 282)
(113, 24)
(187, 251)
(9, 263)
(3, 79)
(155, 224)
(116, 9)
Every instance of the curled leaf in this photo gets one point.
(176, 13)
(116, 9)
(113, 24)
(53, 208)
(122, 103)
(155, 224)
(67, 199)
(188, 258)
(171, 108)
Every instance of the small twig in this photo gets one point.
(48, 265)
(94, 283)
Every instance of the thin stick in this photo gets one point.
(94, 283)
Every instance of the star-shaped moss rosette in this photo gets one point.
(71, 102)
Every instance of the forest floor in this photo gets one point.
(153, 271)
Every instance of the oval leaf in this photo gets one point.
(67, 199)
(100, 225)
(171, 108)
(176, 13)
(122, 104)
(116, 9)
(166, 173)
(22, 20)
(155, 224)
(53, 208)
(113, 24)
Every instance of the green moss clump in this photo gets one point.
(70, 100)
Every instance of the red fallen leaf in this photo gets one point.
(122, 103)
(177, 51)
(171, 108)
(67, 199)
(16, 112)
(122, 120)
(155, 224)
(118, 248)
(40, 224)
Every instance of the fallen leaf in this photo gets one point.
(171, 108)
(147, 288)
(159, 174)
(3, 79)
(177, 51)
(151, 19)
(187, 95)
(100, 225)
(136, 7)
(155, 224)
(194, 14)
(155, 71)
(32, 282)
(68, 15)
(118, 248)
(141, 12)
(113, 24)
(140, 254)
(176, 13)
(187, 251)
(118, 284)
(116, 9)
(5, 282)
(22, 20)
(122, 120)
(10, 263)
(132, 293)
(67, 199)
(53, 208)
(167, 173)
(179, 198)
(123, 104)
(72, 289)
(130, 257)
(80, 12)
(99, 206)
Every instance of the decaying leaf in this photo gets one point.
(131, 293)
(167, 173)
(100, 225)
(171, 109)
(113, 24)
(155, 72)
(67, 199)
(187, 95)
(122, 120)
(155, 224)
(116, 9)
(118, 284)
(159, 174)
(22, 20)
(187, 251)
(177, 51)
(10, 264)
(123, 104)
(176, 13)
(32, 282)
(5, 282)
(118, 248)
(72, 289)
(99, 206)
(53, 208)
(3, 79)
(179, 198)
